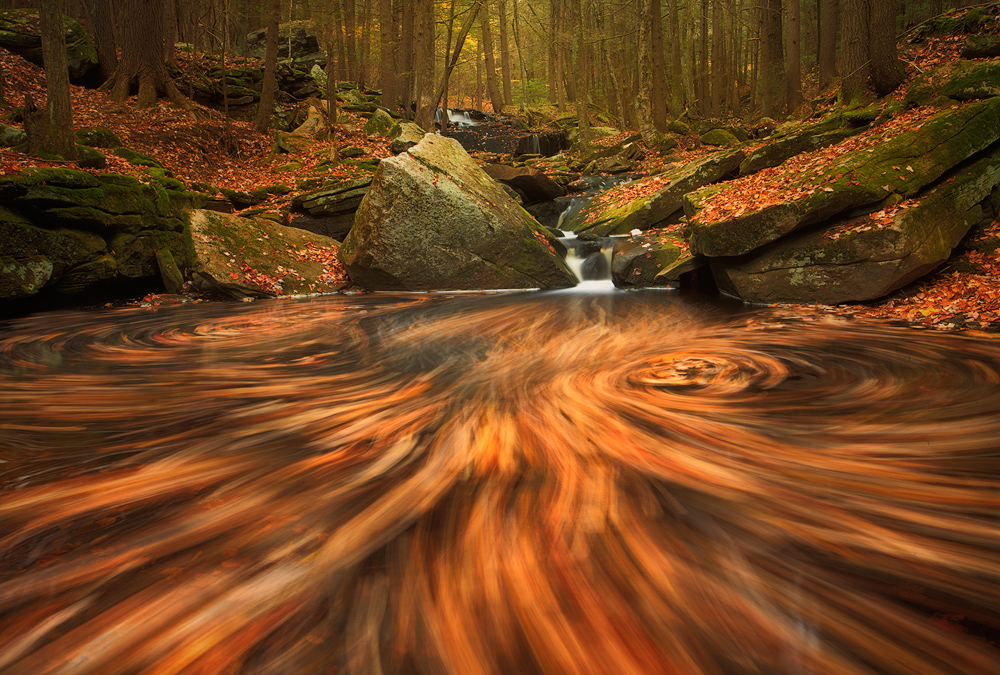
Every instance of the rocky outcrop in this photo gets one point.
(531, 184)
(404, 136)
(330, 210)
(298, 37)
(433, 220)
(869, 256)
(898, 168)
(651, 259)
(68, 232)
(380, 123)
(19, 34)
(610, 216)
(239, 258)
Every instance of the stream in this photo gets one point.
(562, 482)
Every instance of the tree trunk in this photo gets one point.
(103, 29)
(704, 79)
(718, 59)
(449, 66)
(332, 113)
(886, 70)
(407, 53)
(492, 86)
(479, 76)
(142, 59)
(643, 102)
(676, 65)
(659, 73)
(51, 130)
(365, 57)
(447, 70)
(771, 83)
(553, 59)
(350, 41)
(520, 58)
(388, 54)
(169, 29)
(829, 27)
(567, 23)
(508, 96)
(854, 48)
(266, 107)
(582, 72)
(793, 56)
(424, 60)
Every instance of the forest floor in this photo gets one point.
(963, 294)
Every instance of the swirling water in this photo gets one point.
(534, 483)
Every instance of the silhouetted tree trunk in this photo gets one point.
(676, 62)
(505, 69)
(829, 27)
(479, 76)
(332, 112)
(516, 20)
(886, 71)
(142, 57)
(704, 93)
(793, 56)
(266, 107)
(771, 83)
(365, 57)
(659, 68)
(51, 129)
(103, 29)
(492, 86)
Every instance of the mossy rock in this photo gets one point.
(719, 138)
(972, 80)
(11, 137)
(98, 137)
(981, 47)
(651, 259)
(89, 158)
(380, 124)
(289, 167)
(679, 128)
(863, 116)
(137, 158)
(352, 151)
(240, 199)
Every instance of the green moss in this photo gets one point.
(98, 137)
(137, 158)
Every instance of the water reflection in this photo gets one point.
(609, 483)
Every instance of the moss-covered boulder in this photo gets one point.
(11, 136)
(136, 157)
(866, 257)
(616, 212)
(256, 257)
(19, 33)
(404, 136)
(726, 223)
(98, 137)
(380, 124)
(654, 258)
(972, 80)
(433, 220)
(781, 149)
(981, 47)
(719, 137)
(331, 208)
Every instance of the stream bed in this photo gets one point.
(564, 482)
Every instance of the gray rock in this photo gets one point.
(404, 136)
(380, 124)
(864, 258)
(433, 220)
(11, 136)
(532, 184)
(651, 259)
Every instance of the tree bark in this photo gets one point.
(854, 48)
(771, 82)
(582, 71)
(388, 54)
(424, 39)
(478, 105)
(659, 68)
(407, 53)
(704, 76)
(676, 65)
(505, 69)
(553, 59)
(718, 59)
(266, 107)
(51, 130)
(829, 27)
(142, 58)
(643, 102)
(350, 41)
(492, 86)
(365, 56)
(886, 70)
(102, 26)
(793, 55)
(520, 57)
(447, 70)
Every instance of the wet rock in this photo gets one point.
(863, 178)
(613, 217)
(433, 220)
(533, 185)
(866, 257)
(651, 259)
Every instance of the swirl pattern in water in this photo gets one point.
(550, 483)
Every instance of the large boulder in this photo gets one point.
(866, 257)
(255, 257)
(609, 213)
(19, 33)
(745, 215)
(433, 220)
(380, 124)
(404, 136)
(533, 185)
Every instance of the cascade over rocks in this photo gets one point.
(869, 256)
(433, 220)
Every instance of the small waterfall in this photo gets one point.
(589, 260)
(459, 118)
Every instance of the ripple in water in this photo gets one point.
(557, 483)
